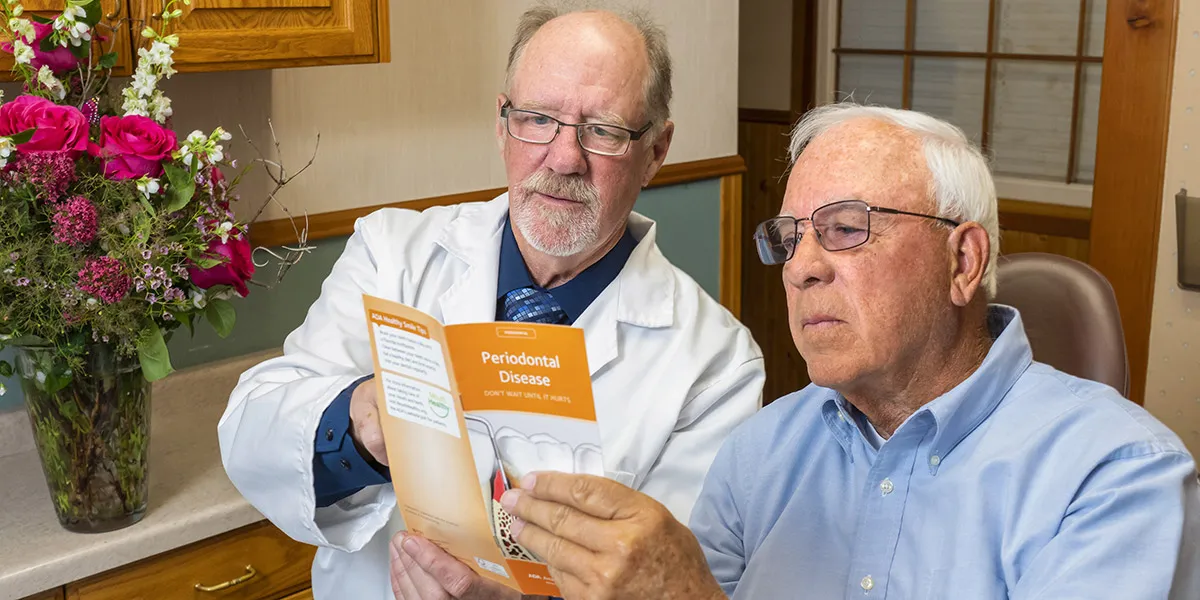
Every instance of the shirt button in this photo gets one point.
(886, 486)
(935, 460)
(867, 583)
(329, 435)
(345, 464)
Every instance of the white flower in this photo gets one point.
(224, 230)
(196, 138)
(158, 55)
(91, 302)
(23, 28)
(135, 106)
(22, 52)
(18, 10)
(199, 299)
(147, 186)
(143, 83)
(216, 154)
(160, 107)
(6, 147)
(222, 135)
(40, 377)
(51, 83)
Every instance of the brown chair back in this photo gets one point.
(1070, 315)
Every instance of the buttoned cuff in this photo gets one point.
(339, 469)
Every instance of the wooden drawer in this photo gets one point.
(305, 595)
(268, 564)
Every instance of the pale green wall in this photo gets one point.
(688, 219)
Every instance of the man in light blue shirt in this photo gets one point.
(932, 458)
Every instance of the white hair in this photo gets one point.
(962, 183)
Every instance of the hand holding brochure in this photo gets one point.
(469, 409)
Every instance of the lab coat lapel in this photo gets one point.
(474, 238)
(643, 294)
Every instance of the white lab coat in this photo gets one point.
(673, 373)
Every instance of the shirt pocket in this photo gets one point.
(974, 581)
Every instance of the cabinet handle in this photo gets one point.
(116, 13)
(250, 573)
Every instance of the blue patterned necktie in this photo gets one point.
(531, 305)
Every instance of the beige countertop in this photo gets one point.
(190, 496)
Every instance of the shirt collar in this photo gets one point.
(573, 296)
(958, 412)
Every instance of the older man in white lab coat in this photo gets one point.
(583, 126)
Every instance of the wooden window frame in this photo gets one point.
(989, 56)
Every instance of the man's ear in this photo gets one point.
(658, 152)
(970, 249)
(501, 134)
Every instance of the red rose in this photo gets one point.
(237, 269)
(132, 146)
(58, 128)
(60, 59)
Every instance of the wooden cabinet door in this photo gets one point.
(305, 595)
(223, 35)
(116, 16)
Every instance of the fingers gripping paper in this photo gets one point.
(468, 411)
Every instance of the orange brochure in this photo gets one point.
(467, 410)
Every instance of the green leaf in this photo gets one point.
(81, 51)
(149, 209)
(6, 368)
(221, 316)
(22, 137)
(190, 322)
(208, 263)
(47, 44)
(40, 19)
(93, 10)
(153, 354)
(183, 186)
(108, 61)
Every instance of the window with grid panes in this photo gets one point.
(1020, 77)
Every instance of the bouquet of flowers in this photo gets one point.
(113, 233)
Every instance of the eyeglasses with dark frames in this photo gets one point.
(598, 138)
(839, 226)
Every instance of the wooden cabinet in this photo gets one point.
(220, 35)
(229, 35)
(305, 595)
(257, 562)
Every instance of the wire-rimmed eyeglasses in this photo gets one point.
(597, 138)
(839, 226)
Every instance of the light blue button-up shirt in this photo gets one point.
(1022, 482)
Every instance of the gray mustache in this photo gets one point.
(571, 188)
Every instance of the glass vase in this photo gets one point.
(91, 426)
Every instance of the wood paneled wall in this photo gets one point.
(762, 143)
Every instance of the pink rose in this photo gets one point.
(59, 128)
(237, 269)
(60, 59)
(132, 146)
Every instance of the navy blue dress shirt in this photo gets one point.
(340, 470)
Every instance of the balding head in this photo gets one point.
(639, 42)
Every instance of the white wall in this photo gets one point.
(1173, 376)
(422, 124)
